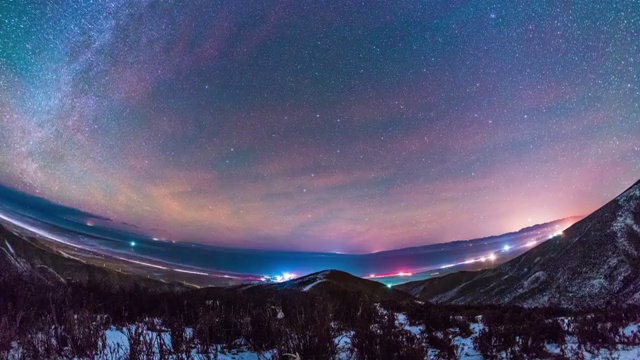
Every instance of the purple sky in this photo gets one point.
(326, 127)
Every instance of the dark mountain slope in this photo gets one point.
(593, 263)
(335, 282)
(33, 257)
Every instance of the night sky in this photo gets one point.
(321, 126)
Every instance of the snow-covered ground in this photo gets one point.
(319, 279)
(117, 344)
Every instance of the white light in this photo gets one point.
(492, 257)
(483, 259)
(288, 276)
(143, 263)
(531, 243)
(191, 272)
(133, 243)
(389, 286)
(506, 248)
(284, 277)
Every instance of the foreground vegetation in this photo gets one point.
(41, 319)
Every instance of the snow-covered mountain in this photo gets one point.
(595, 262)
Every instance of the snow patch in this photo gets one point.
(319, 278)
(401, 320)
(465, 347)
(71, 257)
(631, 329)
(625, 220)
(117, 343)
(344, 345)
(10, 248)
(534, 280)
(308, 287)
(50, 270)
(19, 264)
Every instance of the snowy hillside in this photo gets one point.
(593, 263)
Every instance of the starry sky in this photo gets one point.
(321, 125)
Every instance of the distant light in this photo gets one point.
(402, 273)
(531, 243)
(155, 239)
(389, 286)
(372, 275)
(483, 259)
(492, 257)
(288, 276)
(506, 248)
(89, 223)
(133, 243)
(284, 277)
(191, 272)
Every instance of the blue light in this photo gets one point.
(133, 243)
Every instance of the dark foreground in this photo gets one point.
(44, 317)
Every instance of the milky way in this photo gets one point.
(325, 126)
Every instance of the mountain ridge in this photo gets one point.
(485, 238)
(594, 262)
(336, 281)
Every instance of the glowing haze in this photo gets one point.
(325, 126)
